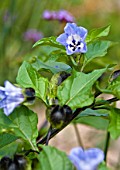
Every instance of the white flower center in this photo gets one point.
(74, 42)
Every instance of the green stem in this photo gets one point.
(29, 151)
(106, 146)
(73, 61)
(78, 136)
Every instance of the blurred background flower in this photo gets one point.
(61, 15)
(32, 35)
(86, 159)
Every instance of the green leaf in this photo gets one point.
(6, 138)
(114, 87)
(95, 118)
(53, 66)
(53, 159)
(9, 150)
(22, 123)
(76, 91)
(51, 41)
(57, 54)
(97, 33)
(90, 112)
(28, 77)
(94, 121)
(114, 126)
(96, 49)
(103, 166)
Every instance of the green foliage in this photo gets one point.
(76, 91)
(95, 118)
(90, 112)
(28, 77)
(96, 49)
(9, 150)
(6, 138)
(114, 126)
(58, 160)
(79, 90)
(52, 66)
(103, 166)
(114, 87)
(22, 123)
(98, 33)
(50, 41)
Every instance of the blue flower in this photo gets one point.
(86, 159)
(73, 39)
(11, 96)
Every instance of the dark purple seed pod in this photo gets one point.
(5, 162)
(58, 115)
(114, 75)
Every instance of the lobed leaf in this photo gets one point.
(97, 33)
(76, 91)
(28, 77)
(96, 49)
(53, 159)
(22, 123)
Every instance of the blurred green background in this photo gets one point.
(18, 16)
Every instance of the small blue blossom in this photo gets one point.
(11, 96)
(73, 39)
(86, 159)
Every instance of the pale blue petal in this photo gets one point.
(78, 151)
(95, 155)
(12, 90)
(82, 32)
(10, 104)
(2, 92)
(9, 86)
(62, 39)
(86, 160)
(8, 109)
(11, 97)
(2, 103)
(70, 28)
(84, 49)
